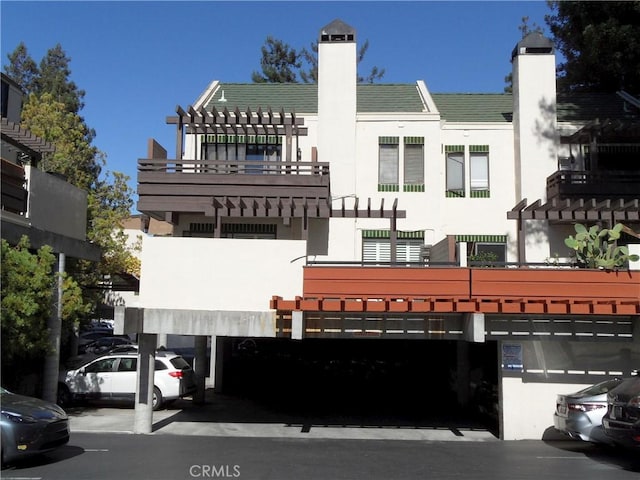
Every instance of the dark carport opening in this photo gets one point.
(368, 381)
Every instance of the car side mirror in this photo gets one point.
(82, 371)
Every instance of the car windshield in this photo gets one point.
(600, 388)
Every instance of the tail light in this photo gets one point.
(585, 407)
(176, 373)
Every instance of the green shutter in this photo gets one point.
(414, 140)
(413, 187)
(388, 140)
(376, 234)
(453, 148)
(482, 238)
(478, 148)
(418, 234)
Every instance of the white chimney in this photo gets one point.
(534, 115)
(337, 79)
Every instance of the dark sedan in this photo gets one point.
(622, 421)
(30, 426)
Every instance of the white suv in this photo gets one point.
(113, 377)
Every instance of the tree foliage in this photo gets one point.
(600, 42)
(282, 64)
(22, 68)
(52, 112)
(279, 63)
(27, 288)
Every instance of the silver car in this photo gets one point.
(30, 426)
(579, 414)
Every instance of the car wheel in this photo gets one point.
(64, 398)
(157, 398)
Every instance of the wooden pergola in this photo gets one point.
(237, 122)
(25, 141)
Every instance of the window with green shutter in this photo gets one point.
(455, 170)
(376, 246)
(479, 171)
(413, 164)
(388, 160)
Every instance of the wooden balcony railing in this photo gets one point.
(241, 188)
(586, 184)
(253, 167)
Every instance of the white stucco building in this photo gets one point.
(270, 178)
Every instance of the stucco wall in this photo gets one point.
(527, 408)
(218, 274)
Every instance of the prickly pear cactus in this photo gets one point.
(596, 247)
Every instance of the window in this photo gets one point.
(266, 231)
(127, 364)
(479, 170)
(388, 159)
(489, 252)
(376, 246)
(104, 365)
(255, 149)
(455, 170)
(413, 164)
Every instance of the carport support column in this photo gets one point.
(143, 417)
(200, 364)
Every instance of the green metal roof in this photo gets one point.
(390, 97)
(474, 107)
(302, 98)
(292, 97)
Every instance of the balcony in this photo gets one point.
(44, 201)
(589, 184)
(167, 188)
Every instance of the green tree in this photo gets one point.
(52, 111)
(22, 68)
(279, 63)
(75, 157)
(600, 42)
(27, 288)
(53, 78)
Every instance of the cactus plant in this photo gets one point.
(596, 247)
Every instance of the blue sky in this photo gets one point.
(138, 60)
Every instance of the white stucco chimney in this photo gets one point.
(337, 79)
(534, 115)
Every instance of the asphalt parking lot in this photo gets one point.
(232, 416)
